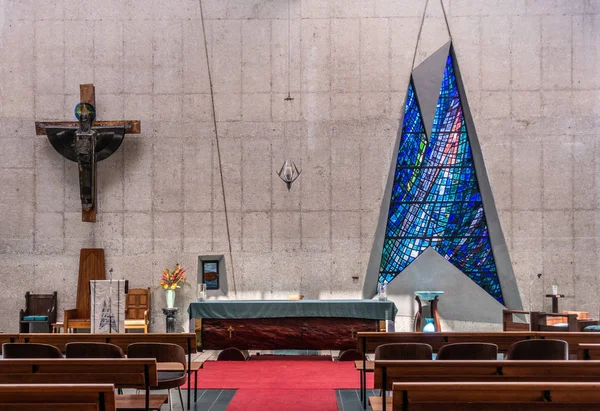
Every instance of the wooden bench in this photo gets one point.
(121, 372)
(368, 342)
(389, 372)
(574, 339)
(496, 396)
(588, 351)
(187, 341)
(57, 397)
(8, 338)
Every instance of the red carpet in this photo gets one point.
(280, 384)
(246, 399)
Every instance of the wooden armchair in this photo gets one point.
(39, 313)
(509, 323)
(91, 267)
(553, 322)
(137, 309)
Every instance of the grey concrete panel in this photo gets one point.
(506, 276)
(427, 79)
(463, 299)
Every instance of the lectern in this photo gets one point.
(427, 318)
(108, 306)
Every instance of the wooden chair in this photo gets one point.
(137, 309)
(539, 350)
(468, 351)
(22, 350)
(510, 324)
(40, 310)
(57, 397)
(93, 350)
(554, 322)
(404, 351)
(163, 353)
(91, 267)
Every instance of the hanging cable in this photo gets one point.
(289, 53)
(412, 67)
(214, 116)
(446, 19)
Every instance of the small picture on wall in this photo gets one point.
(210, 274)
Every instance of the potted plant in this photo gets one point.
(170, 281)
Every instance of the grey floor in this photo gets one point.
(349, 400)
(218, 400)
(208, 400)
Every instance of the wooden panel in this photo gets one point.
(309, 333)
(57, 397)
(137, 303)
(91, 267)
(123, 373)
(503, 371)
(87, 94)
(497, 396)
(131, 126)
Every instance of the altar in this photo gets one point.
(284, 324)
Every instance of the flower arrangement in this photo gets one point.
(172, 279)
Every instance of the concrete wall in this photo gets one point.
(532, 74)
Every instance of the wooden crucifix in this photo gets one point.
(86, 142)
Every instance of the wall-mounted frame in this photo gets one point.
(210, 274)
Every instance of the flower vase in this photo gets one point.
(170, 297)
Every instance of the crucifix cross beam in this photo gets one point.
(86, 142)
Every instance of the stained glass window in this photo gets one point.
(436, 201)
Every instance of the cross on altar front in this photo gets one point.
(86, 142)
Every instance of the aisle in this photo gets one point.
(281, 384)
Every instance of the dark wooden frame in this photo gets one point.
(38, 304)
(216, 262)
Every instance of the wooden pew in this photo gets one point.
(121, 372)
(574, 339)
(8, 338)
(368, 342)
(588, 352)
(389, 372)
(57, 397)
(496, 396)
(185, 340)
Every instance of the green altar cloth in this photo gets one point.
(238, 309)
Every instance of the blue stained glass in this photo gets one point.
(436, 201)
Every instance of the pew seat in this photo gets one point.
(57, 397)
(496, 396)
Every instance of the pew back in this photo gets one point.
(367, 342)
(187, 341)
(122, 372)
(495, 396)
(501, 371)
(57, 397)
